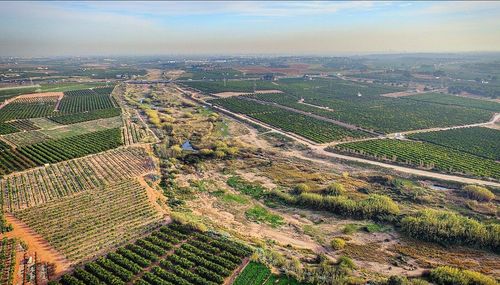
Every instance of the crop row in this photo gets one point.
(58, 150)
(7, 260)
(15, 110)
(86, 116)
(167, 256)
(86, 100)
(51, 182)
(16, 126)
(311, 128)
(85, 225)
(424, 155)
(477, 140)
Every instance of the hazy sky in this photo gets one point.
(143, 28)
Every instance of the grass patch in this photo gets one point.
(234, 198)
(245, 187)
(262, 215)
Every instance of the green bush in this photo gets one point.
(446, 275)
(450, 228)
(478, 193)
(337, 243)
(335, 189)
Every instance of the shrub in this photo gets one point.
(478, 193)
(337, 243)
(335, 189)
(301, 188)
(446, 275)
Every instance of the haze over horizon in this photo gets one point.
(292, 28)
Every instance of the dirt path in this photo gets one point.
(153, 197)
(36, 243)
(236, 273)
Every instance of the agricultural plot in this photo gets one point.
(23, 125)
(361, 105)
(21, 110)
(6, 128)
(72, 147)
(173, 254)
(88, 224)
(11, 160)
(311, 128)
(133, 133)
(26, 138)
(53, 151)
(478, 141)
(258, 274)
(79, 101)
(82, 128)
(38, 186)
(456, 101)
(7, 260)
(423, 155)
(86, 116)
(3, 145)
(231, 86)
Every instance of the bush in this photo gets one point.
(478, 193)
(337, 243)
(446, 275)
(335, 189)
(449, 228)
(301, 188)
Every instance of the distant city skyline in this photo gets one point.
(233, 28)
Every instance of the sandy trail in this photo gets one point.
(36, 243)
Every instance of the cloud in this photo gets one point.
(236, 8)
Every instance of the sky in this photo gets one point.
(59, 28)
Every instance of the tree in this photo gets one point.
(337, 243)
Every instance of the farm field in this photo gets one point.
(302, 125)
(258, 274)
(173, 254)
(7, 260)
(231, 86)
(87, 224)
(59, 150)
(25, 110)
(40, 185)
(454, 100)
(83, 128)
(361, 104)
(58, 87)
(79, 101)
(423, 155)
(86, 116)
(478, 141)
(26, 138)
(386, 115)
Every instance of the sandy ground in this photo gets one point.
(36, 243)
(399, 94)
(153, 197)
(174, 74)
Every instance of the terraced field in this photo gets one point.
(38, 186)
(171, 255)
(85, 225)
